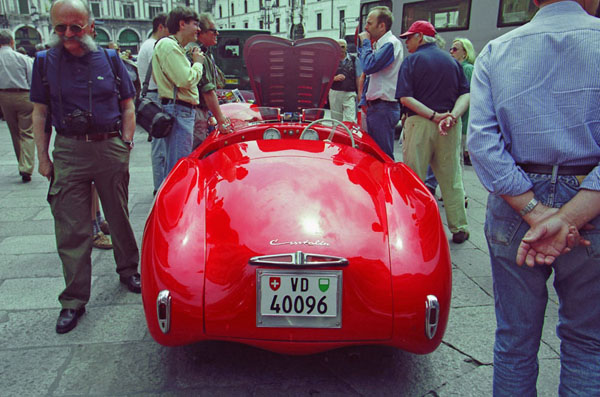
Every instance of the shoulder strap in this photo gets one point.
(147, 79)
(112, 60)
(41, 56)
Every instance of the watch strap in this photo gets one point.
(529, 207)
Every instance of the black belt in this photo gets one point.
(376, 101)
(562, 169)
(166, 101)
(13, 90)
(152, 91)
(93, 137)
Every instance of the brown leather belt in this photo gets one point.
(562, 169)
(94, 137)
(13, 90)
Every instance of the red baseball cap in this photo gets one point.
(423, 27)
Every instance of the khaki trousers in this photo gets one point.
(422, 146)
(17, 110)
(76, 165)
(343, 105)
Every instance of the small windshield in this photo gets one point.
(258, 115)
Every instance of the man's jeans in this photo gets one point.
(179, 141)
(158, 152)
(382, 118)
(521, 295)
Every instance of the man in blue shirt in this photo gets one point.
(434, 90)
(534, 140)
(380, 62)
(95, 120)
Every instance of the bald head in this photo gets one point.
(70, 6)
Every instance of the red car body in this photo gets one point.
(295, 245)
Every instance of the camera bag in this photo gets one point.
(150, 115)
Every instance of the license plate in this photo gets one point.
(302, 299)
(231, 81)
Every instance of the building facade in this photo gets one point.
(126, 22)
(129, 22)
(291, 19)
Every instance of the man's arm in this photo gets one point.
(212, 102)
(422, 110)
(460, 107)
(372, 62)
(42, 139)
(127, 119)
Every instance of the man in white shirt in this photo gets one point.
(158, 151)
(380, 61)
(15, 80)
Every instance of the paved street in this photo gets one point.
(111, 353)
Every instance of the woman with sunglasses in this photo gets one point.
(462, 50)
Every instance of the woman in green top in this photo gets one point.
(462, 50)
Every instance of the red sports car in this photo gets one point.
(295, 233)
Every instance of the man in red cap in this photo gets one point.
(435, 93)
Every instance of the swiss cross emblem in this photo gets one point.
(275, 283)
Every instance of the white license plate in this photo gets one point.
(296, 298)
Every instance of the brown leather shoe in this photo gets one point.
(133, 283)
(460, 237)
(67, 319)
(102, 241)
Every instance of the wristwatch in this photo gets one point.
(432, 116)
(129, 143)
(529, 207)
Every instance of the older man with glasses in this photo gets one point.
(89, 97)
(209, 103)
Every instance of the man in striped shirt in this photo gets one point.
(534, 140)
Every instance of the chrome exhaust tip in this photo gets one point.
(163, 310)
(432, 315)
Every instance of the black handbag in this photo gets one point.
(150, 115)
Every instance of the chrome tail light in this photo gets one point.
(432, 315)
(163, 310)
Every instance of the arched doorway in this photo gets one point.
(102, 37)
(129, 40)
(27, 37)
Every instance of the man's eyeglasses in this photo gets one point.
(215, 31)
(62, 28)
(453, 49)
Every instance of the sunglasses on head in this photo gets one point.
(62, 28)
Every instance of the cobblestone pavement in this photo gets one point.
(111, 353)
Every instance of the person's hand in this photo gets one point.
(445, 121)
(225, 126)
(197, 55)
(339, 77)
(364, 35)
(45, 167)
(550, 236)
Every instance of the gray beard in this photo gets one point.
(87, 43)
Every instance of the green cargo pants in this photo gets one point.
(76, 165)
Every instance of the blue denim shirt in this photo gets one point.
(535, 98)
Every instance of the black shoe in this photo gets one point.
(467, 159)
(25, 177)
(67, 319)
(431, 190)
(460, 237)
(133, 282)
